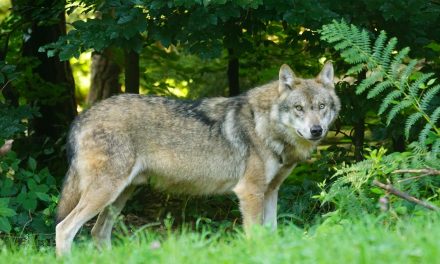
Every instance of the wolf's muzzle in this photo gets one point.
(316, 131)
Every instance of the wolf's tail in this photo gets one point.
(70, 195)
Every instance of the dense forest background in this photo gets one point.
(58, 58)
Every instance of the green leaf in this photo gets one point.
(7, 212)
(30, 204)
(4, 202)
(377, 190)
(32, 185)
(43, 196)
(5, 226)
(32, 164)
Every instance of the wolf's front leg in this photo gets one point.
(271, 197)
(270, 209)
(250, 192)
(251, 199)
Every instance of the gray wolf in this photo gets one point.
(246, 144)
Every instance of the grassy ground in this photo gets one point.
(369, 240)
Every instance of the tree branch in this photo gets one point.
(391, 189)
(427, 171)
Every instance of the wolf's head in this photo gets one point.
(306, 107)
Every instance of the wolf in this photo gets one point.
(246, 144)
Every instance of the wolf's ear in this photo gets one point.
(327, 74)
(286, 78)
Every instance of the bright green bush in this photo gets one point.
(406, 92)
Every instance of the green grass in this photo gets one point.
(371, 240)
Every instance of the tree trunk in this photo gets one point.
(131, 72)
(57, 103)
(104, 77)
(399, 143)
(359, 127)
(359, 138)
(233, 73)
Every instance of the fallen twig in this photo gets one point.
(391, 189)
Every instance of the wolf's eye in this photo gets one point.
(321, 106)
(299, 108)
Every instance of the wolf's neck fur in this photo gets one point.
(263, 97)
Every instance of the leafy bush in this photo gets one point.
(28, 195)
(353, 194)
(405, 91)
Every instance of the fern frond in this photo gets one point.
(435, 115)
(343, 44)
(352, 49)
(379, 88)
(404, 76)
(418, 148)
(365, 41)
(397, 62)
(436, 146)
(356, 69)
(352, 56)
(428, 96)
(414, 87)
(388, 100)
(424, 133)
(378, 46)
(388, 53)
(397, 108)
(369, 81)
(412, 119)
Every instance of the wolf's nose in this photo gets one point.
(316, 131)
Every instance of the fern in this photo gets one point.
(398, 108)
(390, 98)
(352, 183)
(378, 48)
(436, 146)
(378, 89)
(428, 96)
(386, 55)
(389, 76)
(369, 82)
(412, 119)
(414, 88)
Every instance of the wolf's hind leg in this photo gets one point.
(102, 229)
(90, 204)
